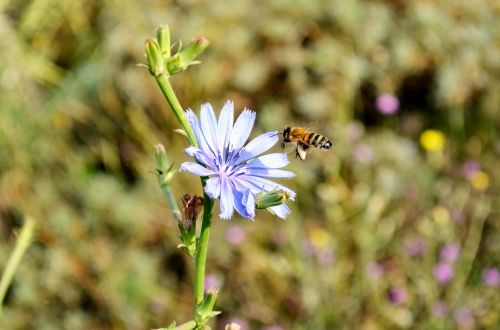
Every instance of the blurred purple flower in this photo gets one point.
(212, 282)
(464, 317)
(374, 271)
(158, 306)
(449, 253)
(235, 170)
(411, 191)
(242, 323)
(279, 237)
(363, 153)
(236, 235)
(440, 309)
(308, 247)
(457, 215)
(273, 327)
(398, 295)
(491, 277)
(470, 167)
(387, 104)
(326, 257)
(415, 247)
(443, 272)
(353, 131)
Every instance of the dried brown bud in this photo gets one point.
(191, 208)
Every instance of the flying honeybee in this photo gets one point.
(304, 139)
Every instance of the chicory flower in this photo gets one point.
(236, 170)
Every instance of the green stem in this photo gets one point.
(22, 245)
(164, 175)
(201, 251)
(172, 204)
(186, 326)
(202, 245)
(169, 94)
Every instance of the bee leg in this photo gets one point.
(283, 145)
(301, 151)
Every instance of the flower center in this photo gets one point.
(222, 170)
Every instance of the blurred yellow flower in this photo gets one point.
(432, 140)
(441, 214)
(480, 180)
(319, 237)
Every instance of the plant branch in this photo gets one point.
(201, 251)
(22, 244)
(169, 94)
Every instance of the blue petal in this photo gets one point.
(201, 157)
(196, 169)
(266, 172)
(260, 144)
(212, 187)
(243, 185)
(249, 203)
(193, 122)
(241, 130)
(225, 126)
(226, 200)
(261, 184)
(209, 126)
(276, 160)
(281, 211)
(191, 151)
(240, 204)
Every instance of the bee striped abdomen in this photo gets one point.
(315, 140)
(308, 138)
(324, 143)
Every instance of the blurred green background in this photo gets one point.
(396, 227)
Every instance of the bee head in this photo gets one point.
(286, 132)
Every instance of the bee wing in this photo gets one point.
(308, 126)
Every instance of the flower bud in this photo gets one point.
(165, 173)
(186, 57)
(154, 57)
(204, 311)
(159, 56)
(193, 50)
(263, 200)
(163, 37)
